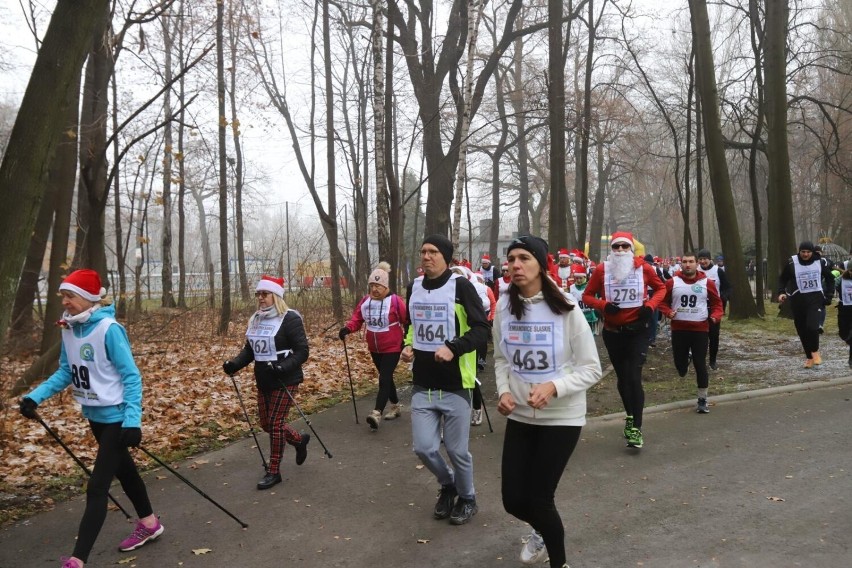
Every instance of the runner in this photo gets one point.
(276, 342)
(96, 359)
(618, 289)
(844, 308)
(447, 325)
(692, 304)
(723, 286)
(577, 289)
(544, 359)
(384, 314)
(808, 284)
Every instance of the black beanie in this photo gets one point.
(534, 245)
(703, 253)
(443, 244)
(649, 259)
(806, 245)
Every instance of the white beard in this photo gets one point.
(620, 264)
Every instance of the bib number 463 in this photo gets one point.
(530, 360)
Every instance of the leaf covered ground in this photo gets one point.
(190, 405)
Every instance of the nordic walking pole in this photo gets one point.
(80, 463)
(305, 418)
(349, 371)
(185, 480)
(248, 421)
(484, 408)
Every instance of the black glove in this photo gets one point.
(645, 313)
(28, 408)
(230, 367)
(344, 331)
(611, 308)
(131, 437)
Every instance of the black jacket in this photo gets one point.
(287, 370)
(787, 280)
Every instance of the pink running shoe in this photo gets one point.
(69, 562)
(140, 536)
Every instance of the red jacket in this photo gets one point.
(595, 294)
(714, 304)
(389, 341)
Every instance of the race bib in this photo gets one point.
(261, 336)
(627, 293)
(808, 278)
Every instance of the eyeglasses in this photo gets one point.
(261, 294)
(617, 246)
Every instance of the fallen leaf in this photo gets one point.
(422, 541)
(198, 551)
(127, 560)
(779, 499)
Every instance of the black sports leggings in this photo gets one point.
(534, 458)
(386, 364)
(113, 460)
(807, 314)
(684, 342)
(627, 351)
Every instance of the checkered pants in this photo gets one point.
(273, 407)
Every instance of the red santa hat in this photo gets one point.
(578, 270)
(486, 258)
(622, 237)
(563, 253)
(466, 263)
(505, 266)
(86, 283)
(271, 284)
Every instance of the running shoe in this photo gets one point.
(628, 426)
(809, 364)
(702, 406)
(476, 417)
(394, 412)
(446, 501)
(140, 535)
(634, 438)
(817, 358)
(68, 562)
(302, 449)
(463, 511)
(374, 419)
(534, 550)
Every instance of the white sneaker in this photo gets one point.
(534, 550)
(476, 417)
(393, 412)
(374, 419)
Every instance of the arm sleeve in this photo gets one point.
(119, 352)
(724, 285)
(501, 365)
(60, 379)
(784, 278)
(357, 319)
(595, 289)
(477, 334)
(409, 329)
(827, 282)
(665, 306)
(714, 301)
(293, 330)
(585, 369)
(244, 357)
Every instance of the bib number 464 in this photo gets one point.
(429, 333)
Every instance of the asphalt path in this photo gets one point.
(763, 480)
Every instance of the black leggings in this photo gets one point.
(713, 336)
(534, 458)
(386, 364)
(807, 315)
(627, 350)
(113, 460)
(695, 341)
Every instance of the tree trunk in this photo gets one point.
(581, 181)
(120, 250)
(377, 47)
(168, 298)
(233, 33)
(182, 173)
(517, 99)
(33, 139)
(742, 305)
(394, 191)
(782, 237)
(557, 226)
(331, 229)
(225, 312)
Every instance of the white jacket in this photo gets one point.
(568, 406)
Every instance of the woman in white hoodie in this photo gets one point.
(544, 360)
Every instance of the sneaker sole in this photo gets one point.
(457, 521)
(147, 540)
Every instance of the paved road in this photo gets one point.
(760, 481)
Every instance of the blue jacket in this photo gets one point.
(129, 412)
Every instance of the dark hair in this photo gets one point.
(553, 296)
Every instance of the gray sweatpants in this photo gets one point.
(427, 408)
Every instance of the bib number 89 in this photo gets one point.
(80, 376)
(530, 360)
